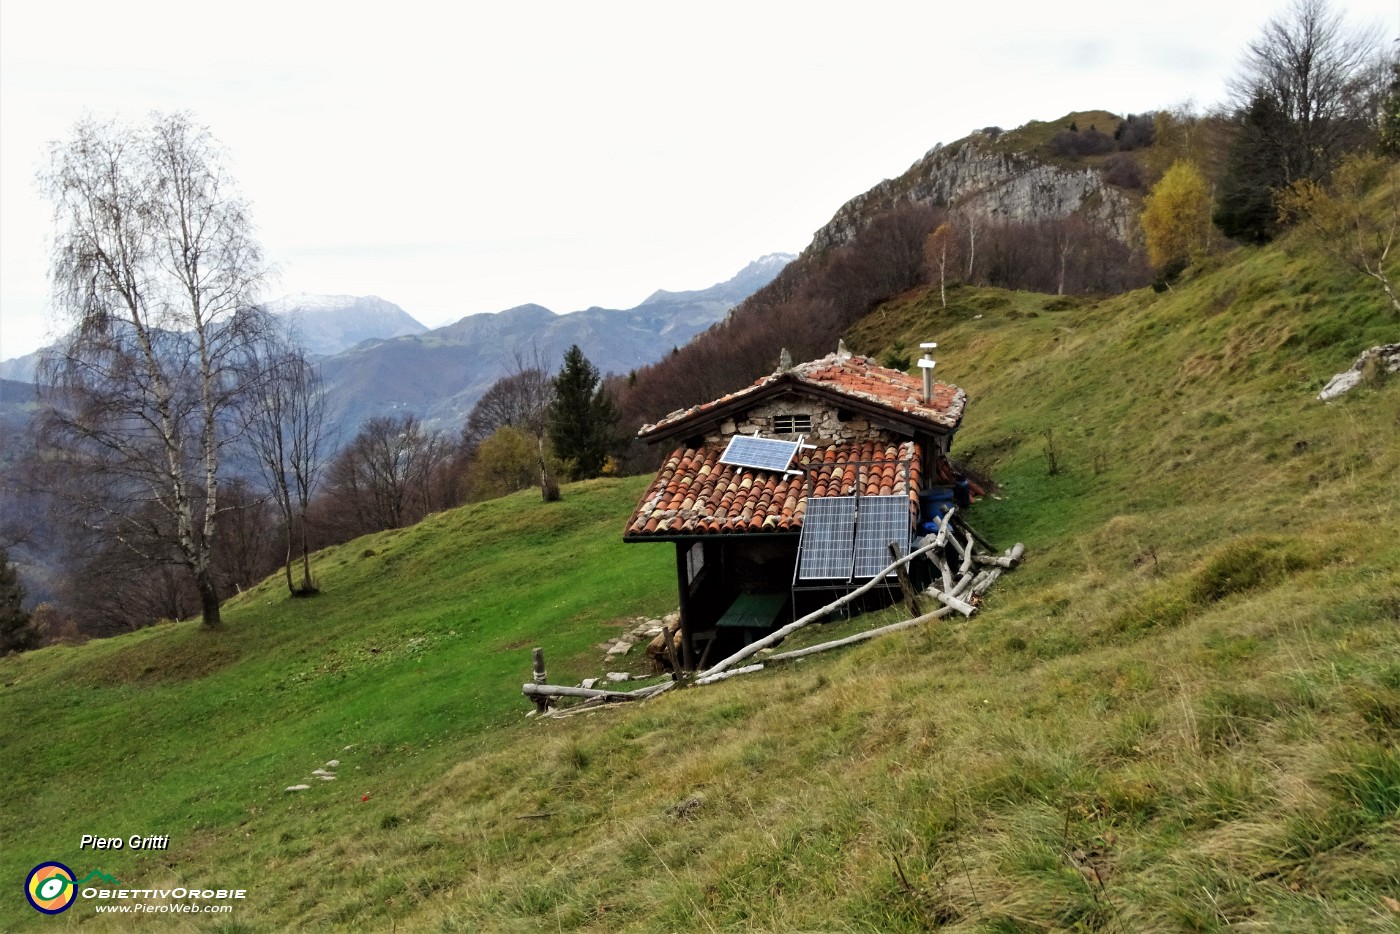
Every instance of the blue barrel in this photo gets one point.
(935, 502)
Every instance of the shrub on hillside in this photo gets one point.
(1247, 565)
(1075, 144)
(1124, 171)
(1136, 132)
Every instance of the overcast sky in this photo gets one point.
(469, 157)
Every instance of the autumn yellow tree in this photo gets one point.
(1176, 216)
(505, 463)
(1355, 217)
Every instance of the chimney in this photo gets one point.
(784, 361)
(927, 364)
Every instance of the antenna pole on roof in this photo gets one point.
(927, 364)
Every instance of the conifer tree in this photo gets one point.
(582, 418)
(16, 633)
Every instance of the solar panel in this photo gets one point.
(882, 519)
(828, 532)
(759, 453)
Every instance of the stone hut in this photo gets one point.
(833, 461)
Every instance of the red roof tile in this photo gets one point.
(850, 375)
(694, 494)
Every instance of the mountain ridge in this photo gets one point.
(440, 373)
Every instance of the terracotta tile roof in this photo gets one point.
(694, 494)
(849, 375)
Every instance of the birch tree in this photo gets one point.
(936, 246)
(155, 267)
(1355, 218)
(1176, 216)
(285, 419)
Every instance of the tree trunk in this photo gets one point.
(306, 585)
(287, 565)
(1386, 287)
(971, 248)
(208, 598)
(549, 487)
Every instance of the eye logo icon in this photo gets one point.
(50, 888)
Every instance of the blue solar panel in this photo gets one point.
(759, 453)
(828, 532)
(882, 519)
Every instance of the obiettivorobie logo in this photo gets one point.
(51, 887)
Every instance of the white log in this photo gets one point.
(861, 636)
(947, 599)
(1008, 560)
(944, 570)
(987, 581)
(790, 628)
(1000, 561)
(961, 586)
(945, 527)
(588, 706)
(962, 549)
(967, 557)
(747, 669)
(530, 689)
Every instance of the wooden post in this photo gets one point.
(541, 702)
(671, 650)
(977, 535)
(684, 583)
(911, 602)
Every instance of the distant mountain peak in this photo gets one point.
(329, 324)
(746, 281)
(770, 261)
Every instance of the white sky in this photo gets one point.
(469, 157)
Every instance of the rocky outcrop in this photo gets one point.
(1386, 359)
(993, 184)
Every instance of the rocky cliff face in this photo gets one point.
(992, 184)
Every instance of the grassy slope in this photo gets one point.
(414, 654)
(1180, 714)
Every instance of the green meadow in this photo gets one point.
(1181, 713)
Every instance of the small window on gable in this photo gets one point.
(792, 424)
